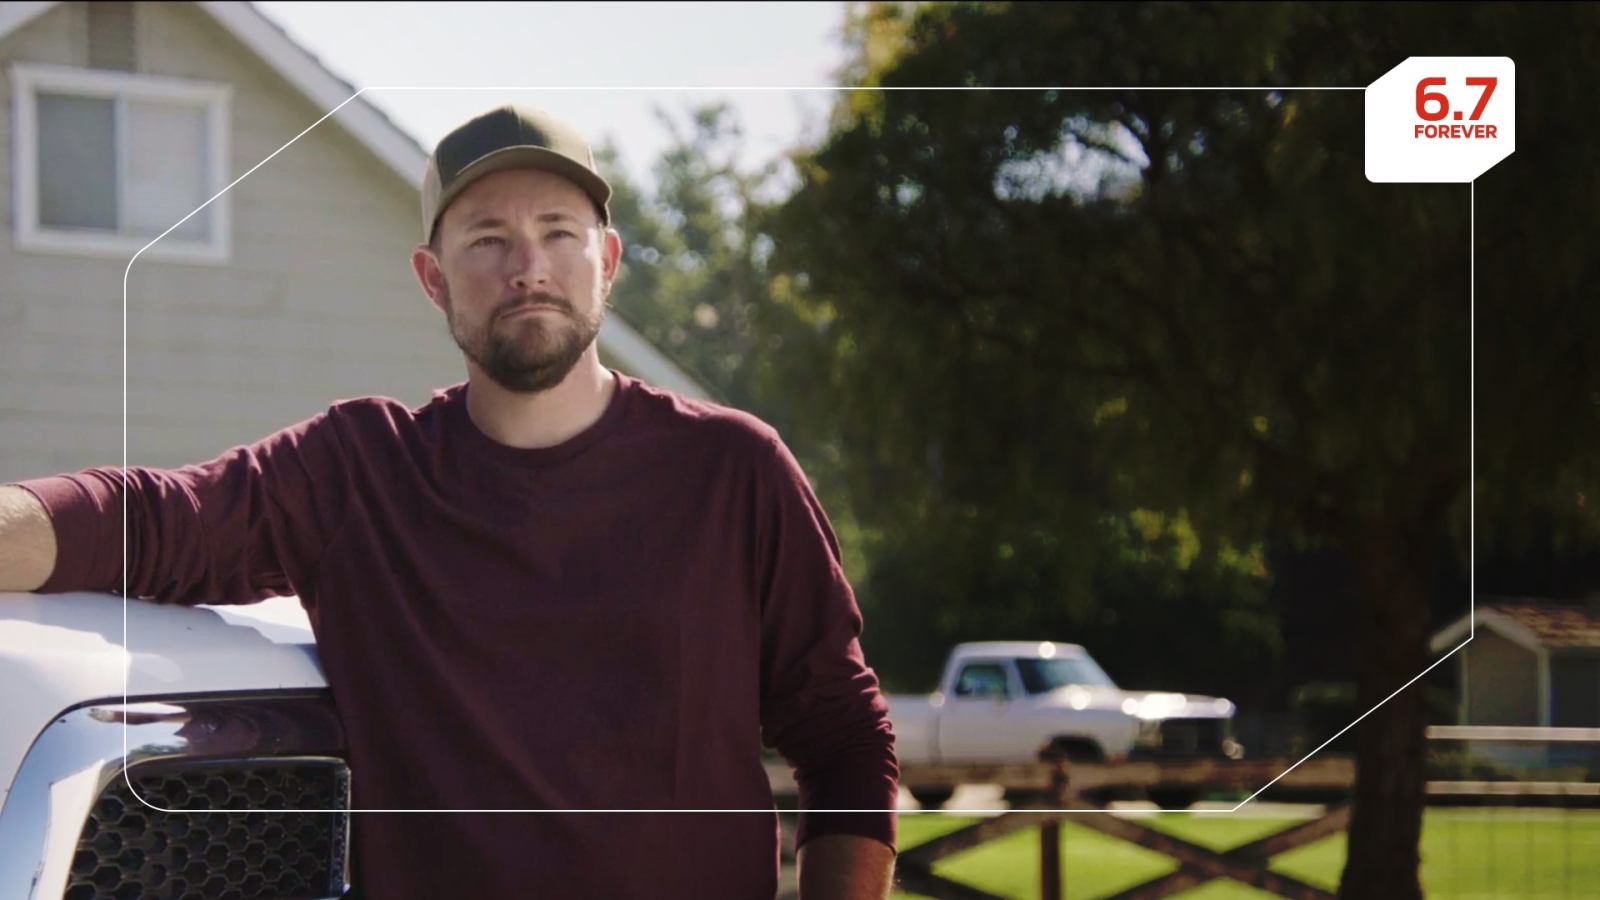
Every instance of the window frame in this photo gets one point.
(215, 99)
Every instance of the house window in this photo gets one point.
(108, 161)
(1575, 689)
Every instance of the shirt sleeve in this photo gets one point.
(821, 706)
(247, 525)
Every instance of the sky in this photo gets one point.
(644, 54)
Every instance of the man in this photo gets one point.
(552, 587)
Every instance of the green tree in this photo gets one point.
(1032, 308)
(693, 270)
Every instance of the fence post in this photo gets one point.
(1050, 880)
(1050, 861)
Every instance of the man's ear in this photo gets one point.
(611, 256)
(429, 276)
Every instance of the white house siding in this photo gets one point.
(317, 303)
(1502, 681)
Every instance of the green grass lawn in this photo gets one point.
(1470, 854)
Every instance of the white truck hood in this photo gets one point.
(61, 650)
(1139, 704)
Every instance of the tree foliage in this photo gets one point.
(1033, 310)
(694, 265)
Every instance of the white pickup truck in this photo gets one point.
(226, 708)
(1017, 701)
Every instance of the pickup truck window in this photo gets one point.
(1041, 676)
(982, 680)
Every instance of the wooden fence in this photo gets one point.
(1064, 785)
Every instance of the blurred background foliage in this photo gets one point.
(1159, 371)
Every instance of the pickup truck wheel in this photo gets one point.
(1072, 750)
(1174, 798)
(932, 797)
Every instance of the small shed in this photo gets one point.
(1532, 662)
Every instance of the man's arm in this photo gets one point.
(845, 867)
(27, 541)
(248, 524)
(821, 705)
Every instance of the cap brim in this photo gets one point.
(526, 157)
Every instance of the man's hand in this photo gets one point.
(27, 541)
(845, 867)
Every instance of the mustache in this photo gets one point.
(535, 299)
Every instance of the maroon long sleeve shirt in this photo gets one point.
(616, 623)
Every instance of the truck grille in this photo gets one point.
(1193, 737)
(128, 850)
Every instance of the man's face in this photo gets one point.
(521, 271)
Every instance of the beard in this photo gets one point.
(528, 355)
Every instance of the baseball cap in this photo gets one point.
(508, 137)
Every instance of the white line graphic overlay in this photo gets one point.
(764, 89)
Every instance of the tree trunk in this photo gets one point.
(1395, 585)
